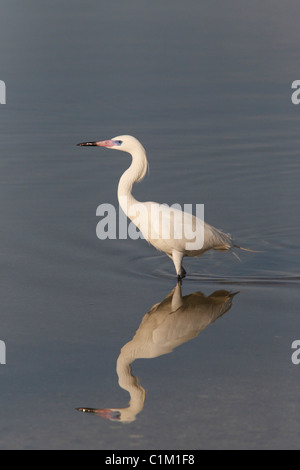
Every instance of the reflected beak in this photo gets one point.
(103, 143)
(107, 413)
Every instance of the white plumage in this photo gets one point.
(172, 231)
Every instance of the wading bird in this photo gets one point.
(172, 231)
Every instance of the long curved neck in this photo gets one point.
(135, 173)
(130, 383)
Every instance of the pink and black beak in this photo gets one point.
(103, 143)
(82, 144)
(107, 413)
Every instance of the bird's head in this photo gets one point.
(126, 143)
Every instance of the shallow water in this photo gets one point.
(208, 92)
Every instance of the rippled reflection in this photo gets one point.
(166, 326)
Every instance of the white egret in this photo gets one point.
(172, 231)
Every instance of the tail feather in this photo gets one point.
(245, 249)
(236, 256)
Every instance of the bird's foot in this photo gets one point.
(181, 275)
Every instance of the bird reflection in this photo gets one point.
(166, 326)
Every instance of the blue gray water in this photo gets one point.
(206, 87)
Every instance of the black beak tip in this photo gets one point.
(86, 410)
(83, 144)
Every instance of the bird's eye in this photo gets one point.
(118, 142)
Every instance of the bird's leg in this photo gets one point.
(177, 260)
(181, 275)
(177, 299)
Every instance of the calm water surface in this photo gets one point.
(207, 91)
